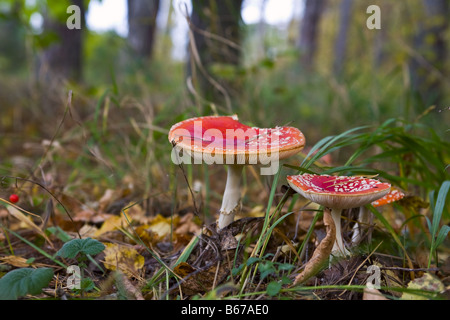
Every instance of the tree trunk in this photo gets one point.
(12, 39)
(309, 30)
(340, 47)
(142, 26)
(63, 59)
(215, 27)
(427, 67)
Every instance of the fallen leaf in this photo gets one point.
(88, 231)
(3, 213)
(157, 229)
(187, 225)
(258, 211)
(162, 226)
(183, 269)
(123, 258)
(199, 280)
(27, 222)
(427, 283)
(15, 261)
(106, 199)
(322, 253)
(91, 216)
(135, 212)
(110, 224)
(373, 294)
(126, 287)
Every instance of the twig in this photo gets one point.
(407, 269)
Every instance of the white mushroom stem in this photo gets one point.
(339, 249)
(363, 219)
(231, 197)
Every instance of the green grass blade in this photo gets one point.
(42, 252)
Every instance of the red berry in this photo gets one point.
(13, 198)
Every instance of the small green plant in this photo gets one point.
(23, 281)
(81, 249)
(438, 235)
(271, 271)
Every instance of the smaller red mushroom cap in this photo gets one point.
(392, 196)
(339, 192)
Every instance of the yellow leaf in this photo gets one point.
(135, 212)
(162, 226)
(123, 258)
(110, 224)
(427, 283)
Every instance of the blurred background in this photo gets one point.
(92, 106)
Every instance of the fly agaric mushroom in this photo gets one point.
(364, 215)
(224, 140)
(338, 193)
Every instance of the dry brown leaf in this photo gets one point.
(373, 294)
(136, 213)
(91, 216)
(183, 269)
(199, 280)
(3, 213)
(19, 262)
(107, 198)
(187, 225)
(27, 222)
(87, 231)
(15, 261)
(131, 291)
(322, 253)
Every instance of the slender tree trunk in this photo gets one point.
(309, 31)
(215, 27)
(340, 47)
(428, 65)
(64, 57)
(261, 31)
(142, 16)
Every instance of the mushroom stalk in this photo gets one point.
(338, 247)
(363, 219)
(231, 197)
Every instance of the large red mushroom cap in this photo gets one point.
(392, 196)
(224, 137)
(338, 192)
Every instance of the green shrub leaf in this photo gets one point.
(20, 282)
(86, 246)
(273, 288)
